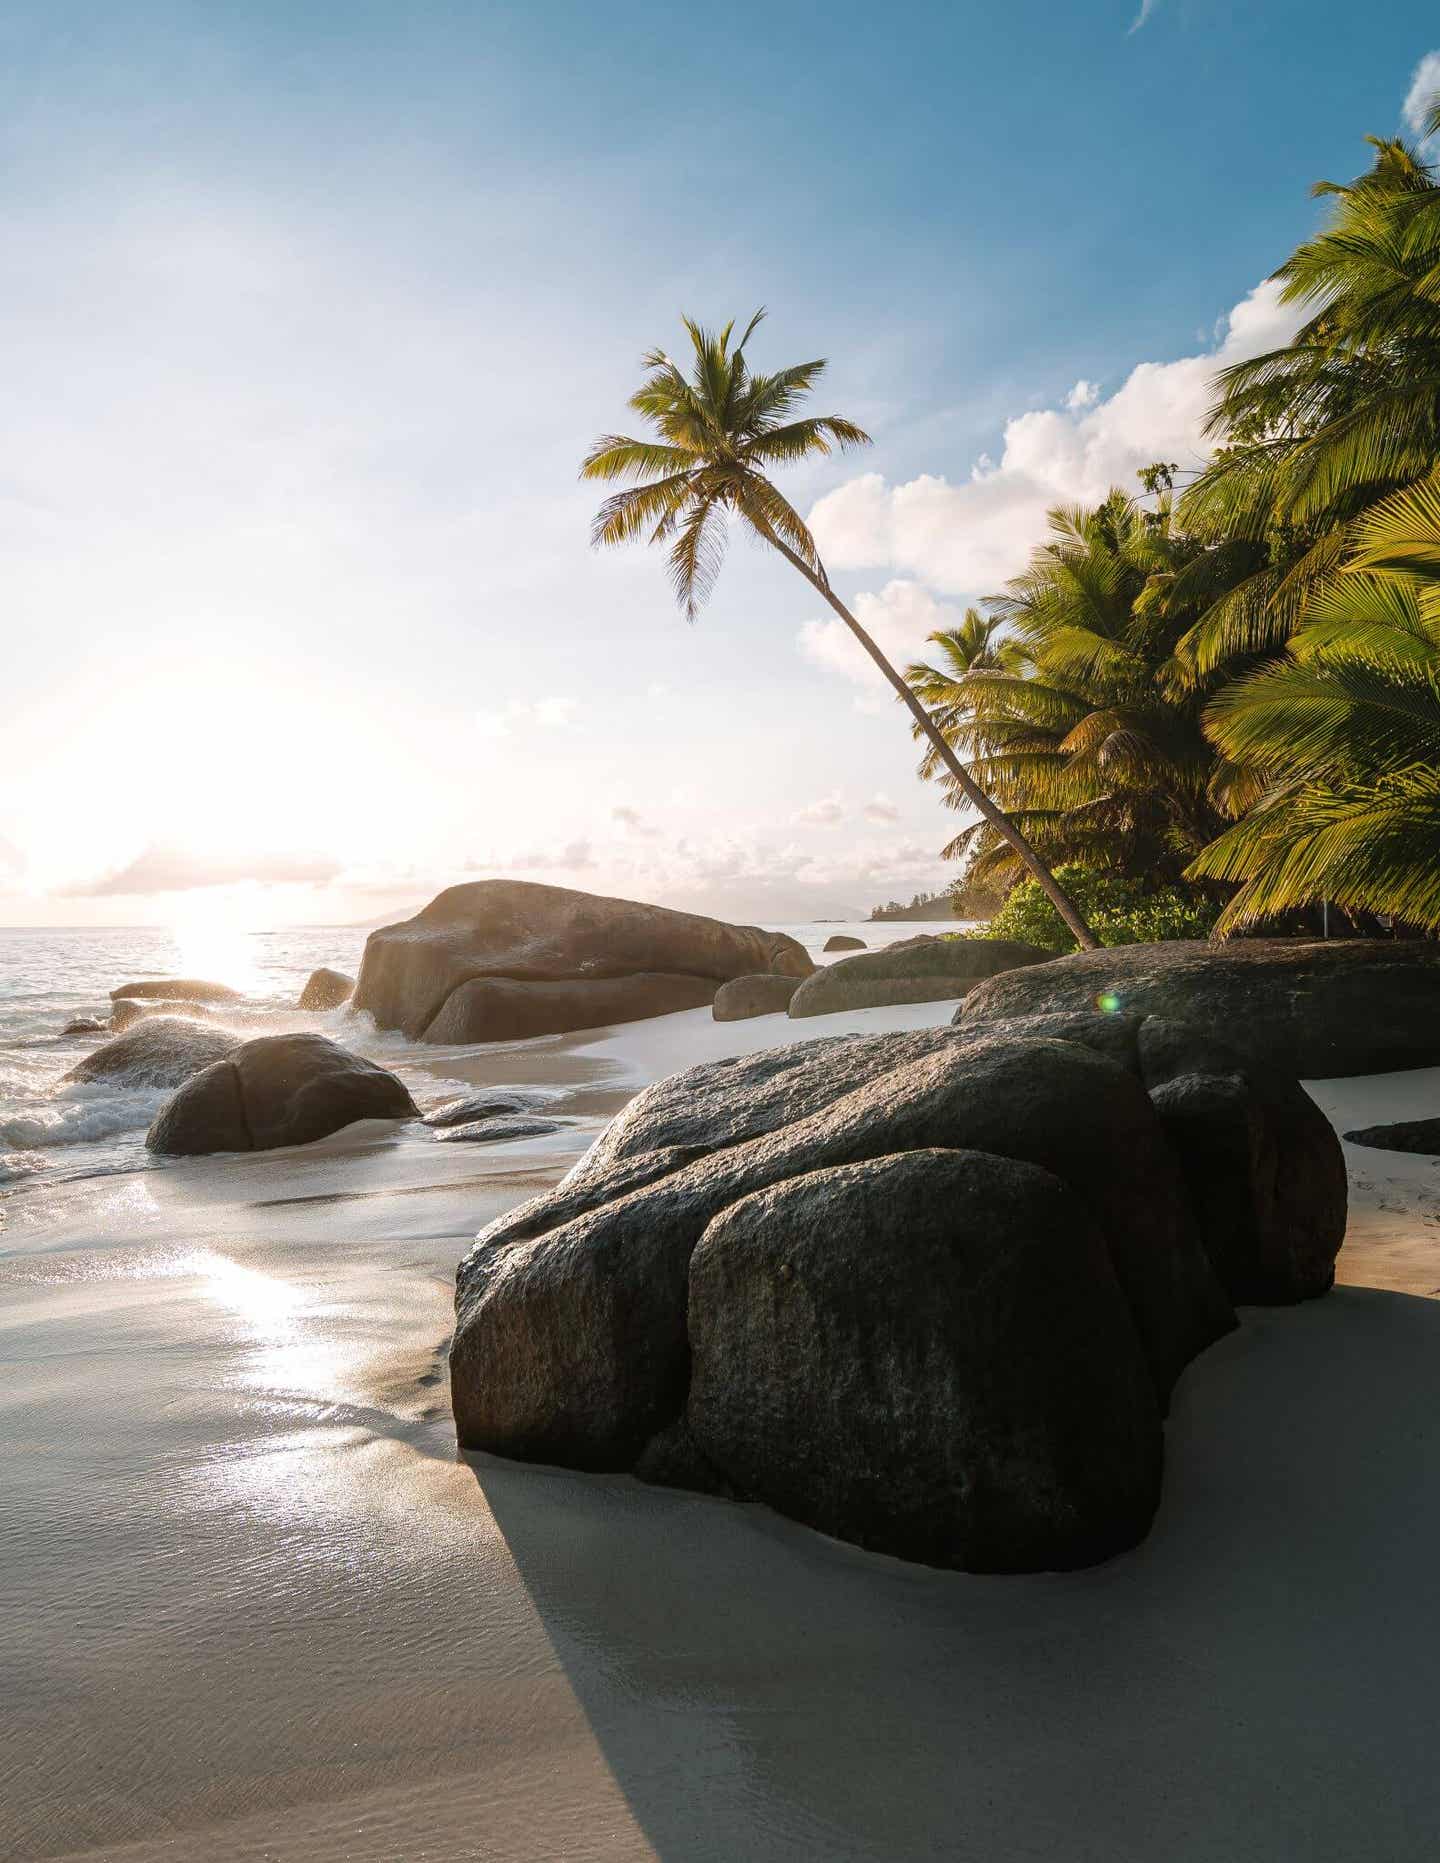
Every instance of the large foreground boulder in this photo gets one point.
(176, 990)
(534, 937)
(649, 1313)
(279, 1090)
(927, 1354)
(919, 970)
(743, 998)
(1309, 1008)
(326, 989)
(161, 1051)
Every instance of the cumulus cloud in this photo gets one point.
(898, 619)
(572, 857)
(745, 872)
(822, 814)
(632, 821)
(161, 869)
(1083, 395)
(971, 537)
(1422, 92)
(552, 714)
(880, 809)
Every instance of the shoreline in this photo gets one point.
(259, 1604)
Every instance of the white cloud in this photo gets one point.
(517, 717)
(176, 870)
(822, 814)
(898, 619)
(880, 809)
(573, 857)
(1147, 7)
(970, 538)
(1083, 395)
(1423, 88)
(632, 821)
(747, 873)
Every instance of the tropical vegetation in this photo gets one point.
(1121, 910)
(1225, 706)
(1071, 704)
(1344, 734)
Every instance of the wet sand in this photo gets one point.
(254, 1605)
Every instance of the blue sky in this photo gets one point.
(310, 311)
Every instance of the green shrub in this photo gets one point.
(1119, 911)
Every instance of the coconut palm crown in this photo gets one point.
(718, 434)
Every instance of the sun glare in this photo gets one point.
(214, 939)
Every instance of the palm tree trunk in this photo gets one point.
(996, 816)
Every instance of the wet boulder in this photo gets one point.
(176, 990)
(743, 998)
(500, 1127)
(279, 1090)
(326, 989)
(126, 1013)
(919, 970)
(493, 1103)
(161, 1051)
(1413, 1135)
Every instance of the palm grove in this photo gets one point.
(1209, 706)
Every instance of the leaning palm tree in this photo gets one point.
(720, 433)
(1345, 732)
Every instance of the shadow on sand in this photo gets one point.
(1255, 1682)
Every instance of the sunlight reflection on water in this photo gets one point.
(279, 1328)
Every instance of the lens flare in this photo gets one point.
(1107, 1002)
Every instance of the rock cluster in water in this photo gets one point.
(927, 1292)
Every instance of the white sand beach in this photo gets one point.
(257, 1607)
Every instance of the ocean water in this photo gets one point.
(50, 1127)
(53, 1130)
